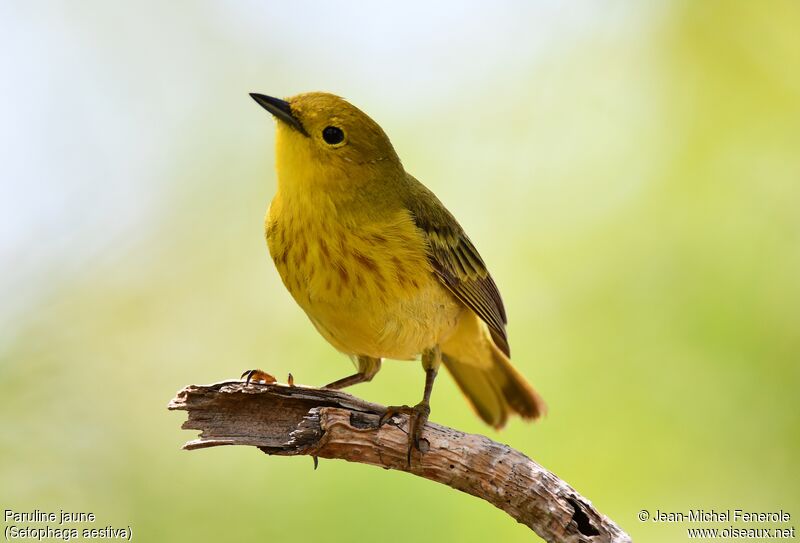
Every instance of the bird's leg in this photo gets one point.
(418, 415)
(367, 368)
(350, 380)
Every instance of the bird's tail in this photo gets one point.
(485, 374)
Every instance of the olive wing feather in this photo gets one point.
(457, 263)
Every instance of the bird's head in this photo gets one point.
(324, 141)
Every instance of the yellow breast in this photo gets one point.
(368, 288)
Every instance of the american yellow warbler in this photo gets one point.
(379, 265)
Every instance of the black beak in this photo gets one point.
(281, 109)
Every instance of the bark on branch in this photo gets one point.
(295, 420)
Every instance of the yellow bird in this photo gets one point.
(379, 265)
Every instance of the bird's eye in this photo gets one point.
(333, 135)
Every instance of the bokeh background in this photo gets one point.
(630, 172)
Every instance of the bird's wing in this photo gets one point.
(456, 262)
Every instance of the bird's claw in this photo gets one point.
(417, 417)
(393, 410)
(258, 376)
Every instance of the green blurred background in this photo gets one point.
(630, 172)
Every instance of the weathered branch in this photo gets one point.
(289, 420)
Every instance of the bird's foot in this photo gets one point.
(417, 417)
(258, 376)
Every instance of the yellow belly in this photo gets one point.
(369, 290)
